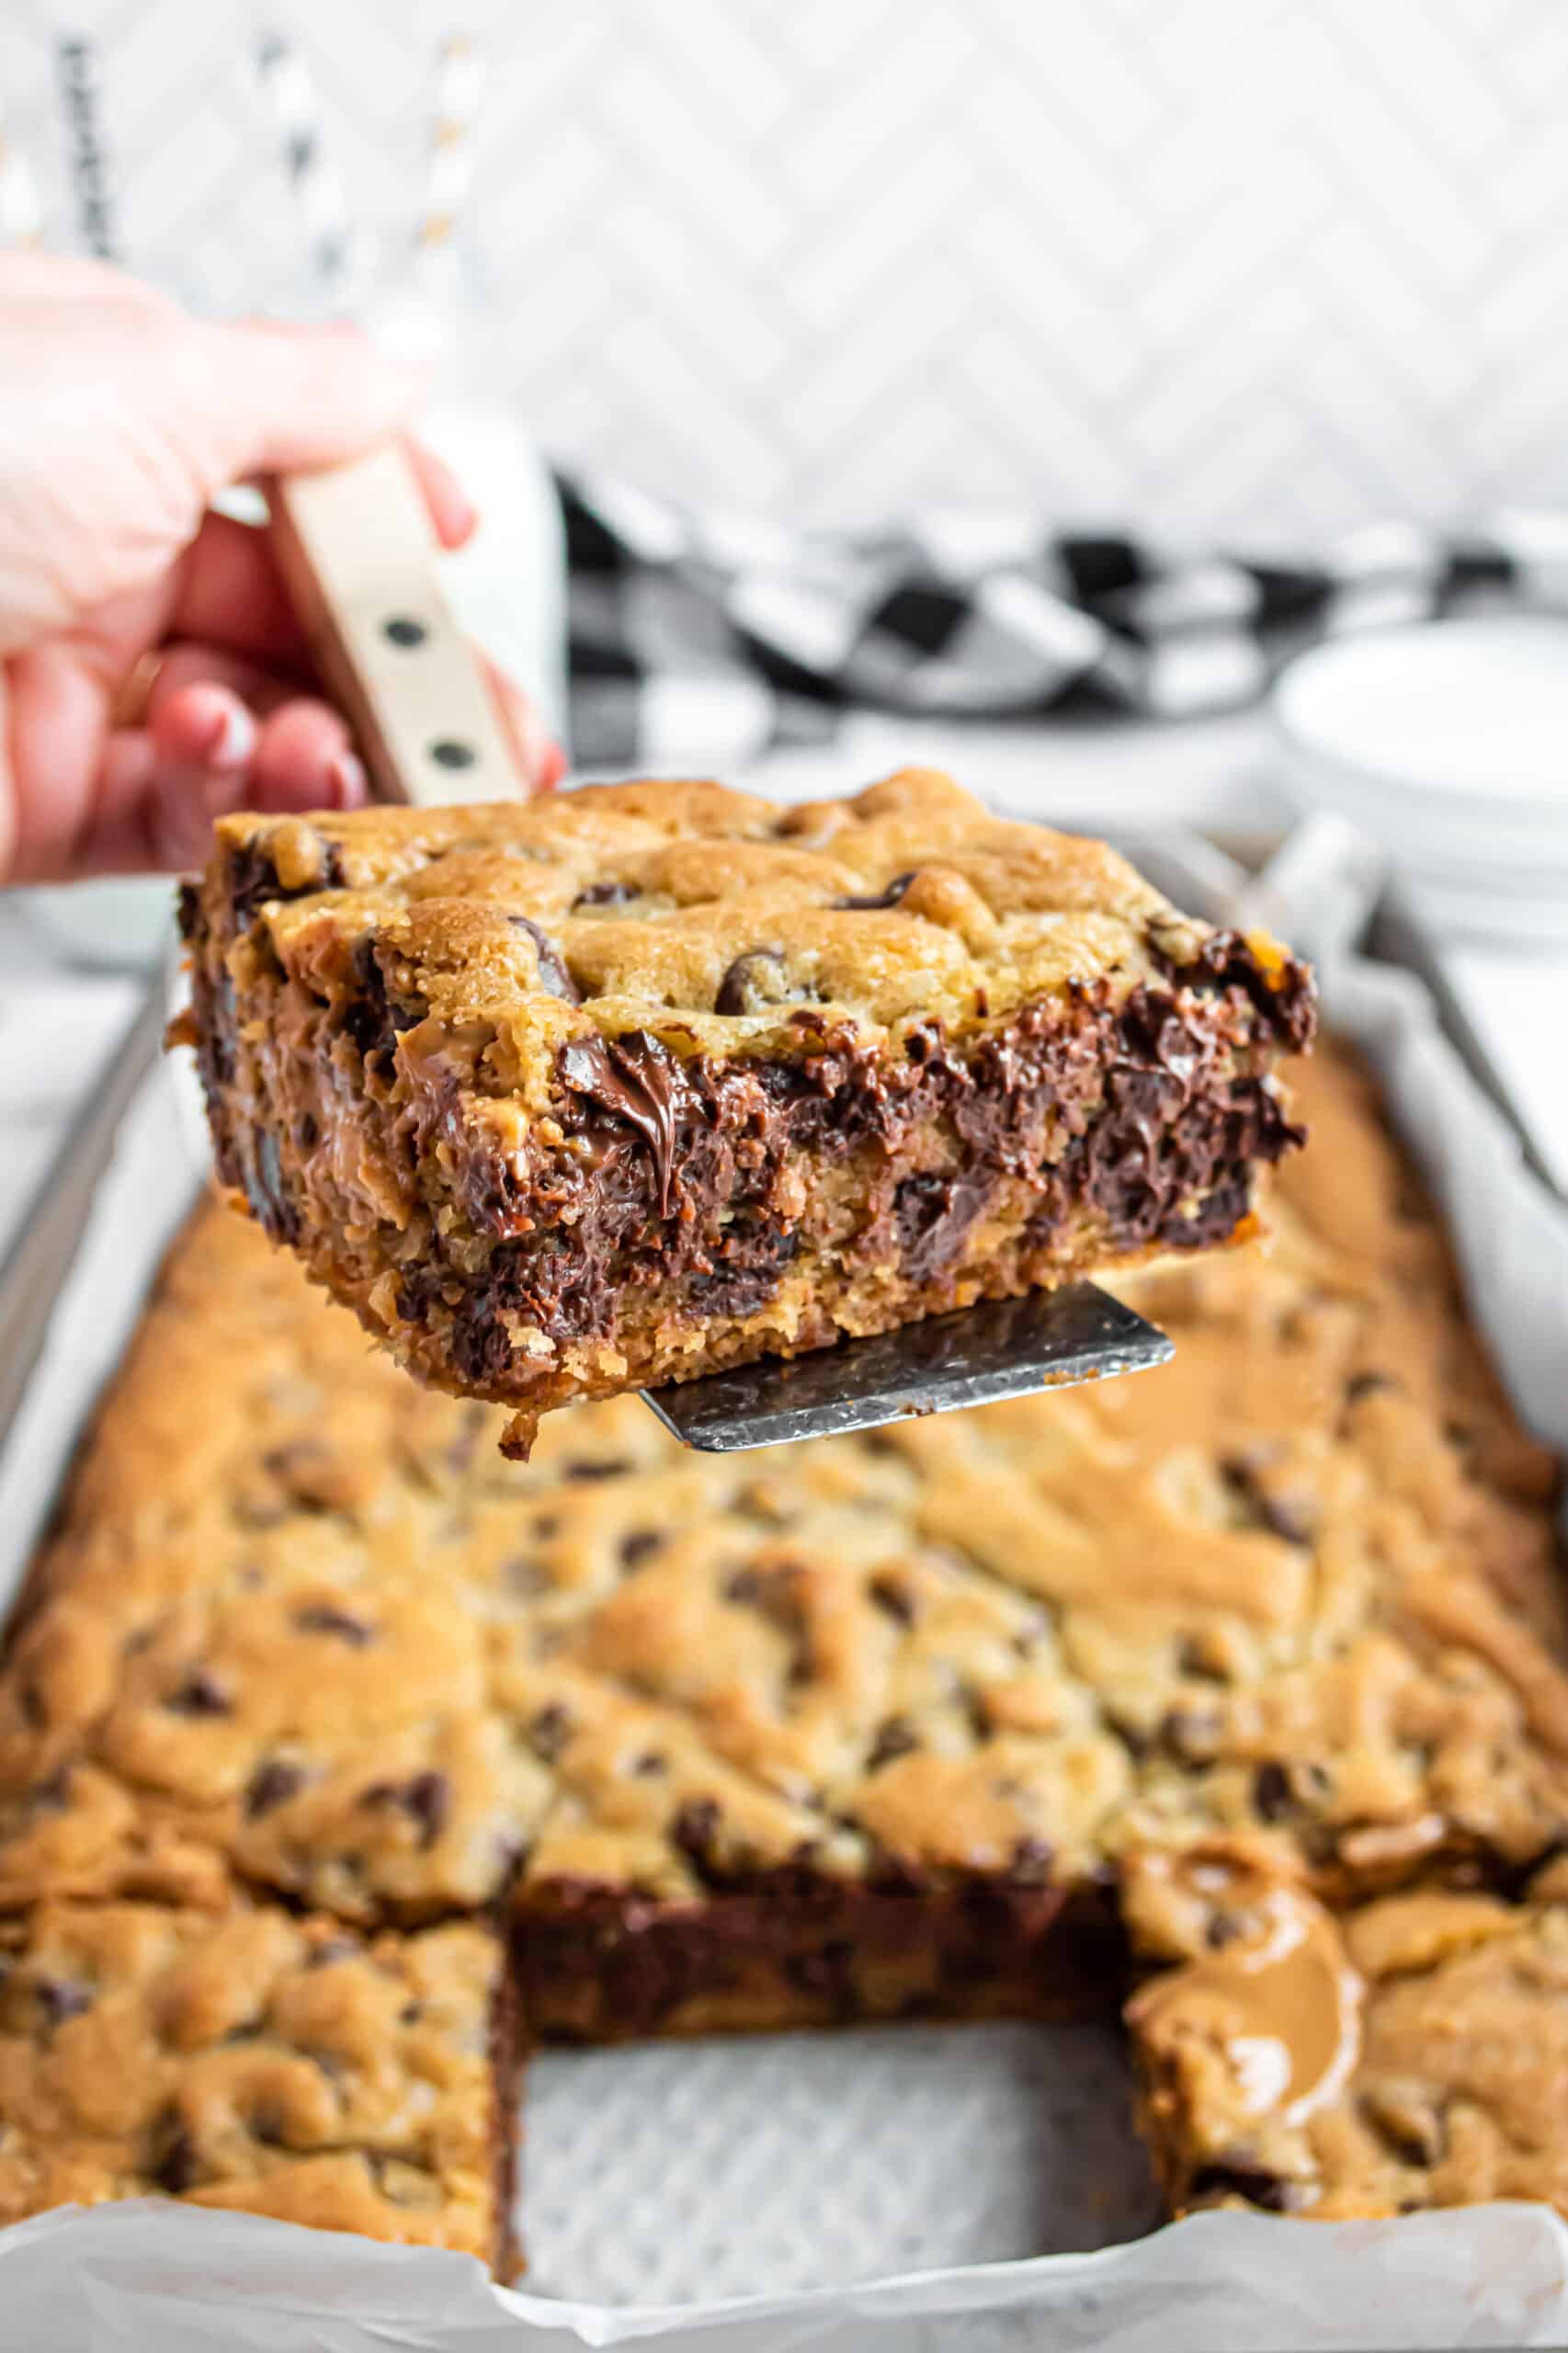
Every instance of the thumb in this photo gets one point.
(302, 396)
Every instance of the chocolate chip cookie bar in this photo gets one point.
(255, 2059)
(617, 1088)
(1412, 2052)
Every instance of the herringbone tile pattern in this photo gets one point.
(1234, 268)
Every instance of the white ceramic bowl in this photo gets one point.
(1448, 742)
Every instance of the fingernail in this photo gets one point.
(231, 743)
(346, 774)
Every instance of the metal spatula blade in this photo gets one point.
(1004, 1347)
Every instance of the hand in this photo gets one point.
(120, 419)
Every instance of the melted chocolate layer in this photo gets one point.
(1143, 1112)
(637, 1081)
(602, 1964)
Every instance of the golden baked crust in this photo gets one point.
(1412, 2052)
(611, 1088)
(257, 2061)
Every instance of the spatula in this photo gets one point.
(354, 545)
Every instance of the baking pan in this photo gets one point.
(968, 2172)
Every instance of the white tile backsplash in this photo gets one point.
(1229, 269)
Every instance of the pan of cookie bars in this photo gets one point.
(1051, 1755)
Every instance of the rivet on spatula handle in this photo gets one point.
(354, 545)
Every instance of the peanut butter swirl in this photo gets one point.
(1278, 1998)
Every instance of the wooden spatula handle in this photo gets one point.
(354, 546)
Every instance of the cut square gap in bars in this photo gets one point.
(764, 2165)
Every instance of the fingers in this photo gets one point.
(300, 397)
(453, 511)
(202, 732)
(229, 592)
(80, 796)
(189, 770)
(161, 787)
(228, 589)
(184, 670)
(304, 760)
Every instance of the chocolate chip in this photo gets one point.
(887, 898)
(762, 1501)
(332, 1948)
(895, 1736)
(696, 1828)
(744, 1587)
(1284, 1519)
(1253, 2183)
(61, 1998)
(51, 1796)
(173, 2165)
(1271, 1793)
(893, 1599)
(932, 1216)
(426, 1797)
(605, 894)
(1408, 2120)
(827, 1974)
(265, 1193)
(548, 1732)
(634, 1080)
(1030, 1861)
(636, 1544)
(977, 1709)
(1192, 1733)
(322, 1619)
(1224, 1928)
(253, 880)
(411, 2013)
(754, 982)
(1195, 1659)
(272, 1784)
(554, 976)
(200, 1695)
(1280, 1515)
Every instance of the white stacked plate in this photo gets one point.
(1447, 741)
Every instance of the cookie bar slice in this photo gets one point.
(1412, 2052)
(624, 1087)
(259, 2060)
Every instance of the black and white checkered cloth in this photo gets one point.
(703, 641)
